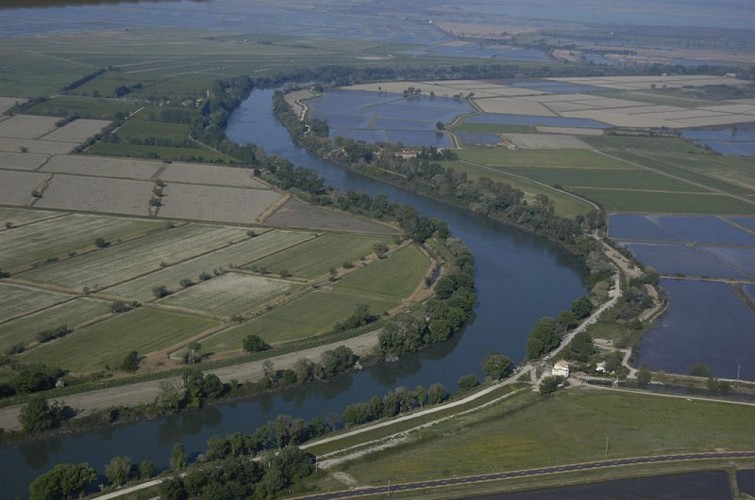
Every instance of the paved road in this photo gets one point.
(456, 481)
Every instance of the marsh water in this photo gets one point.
(520, 278)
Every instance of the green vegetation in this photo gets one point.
(101, 109)
(491, 128)
(603, 178)
(616, 200)
(195, 154)
(153, 132)
(315, 257)
(74, 312)
(568, 427)
(574, 158)
(18, 300)
(142, 329)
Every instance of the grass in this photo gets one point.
(35, 243)
(72, 313)
(568, 427)
(22, 216)
(621, 179)
(316, 257)
(197, 154)
(18, 300)
(381, 286)
(232, 293)
(107, 342)
(141, 130)
(232, 256)
(574, 158)
(614, 200)
(85, 107)
(134, 258)
(566, 205)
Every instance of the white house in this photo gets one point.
(561, 369)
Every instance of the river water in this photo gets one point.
(520, 278)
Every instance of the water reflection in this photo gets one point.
(36, 454)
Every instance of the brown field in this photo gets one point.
(546, 141)
(646, 82)
(618, 119)
(27, 126)
(216, 203)
(97, 166)
(77, 131)
(189, 173)
(34, 146)
(300, 215)
(23, 216)
(16, 186)
(21, 161)
(513, 106)
(94, 194)
(569, 130)
(8, 102)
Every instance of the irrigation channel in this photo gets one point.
(520, 278)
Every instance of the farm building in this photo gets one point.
(561, 369)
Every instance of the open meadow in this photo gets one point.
(571, 426)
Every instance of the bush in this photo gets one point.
(253, 343)
(551, 384)
(53, 333)
(468, 382)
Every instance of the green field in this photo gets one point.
(107, 342)
(18, 216)
(35, 243)
(18, 300)
(72, 313)
(600, 178)
(381, 286)
(141, 130)
(615, 200)
(230, 294)
(569, 427)
(197, 154)
(566, 205)
(574, 158)
(232, 256)
(85, 107)
(134, 258)
(316, 257)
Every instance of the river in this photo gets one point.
(520, 278)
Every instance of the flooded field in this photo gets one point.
(706, 323)
(713, 484)
(734, 140)
(746, 482)
(376, 116)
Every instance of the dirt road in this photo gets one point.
(145, 392)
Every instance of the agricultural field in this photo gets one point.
(27, 127)
(706, 323)
(22, 216)
(630, 179)
(140, 130)
(224, 259)
(103, 167)
(85, 107)
(316, 257)
(8, 102)
(72, 313)
(570, 426)
(77, 131)
(95, 194)
(381, 286)
(93, 347)
(20, 300)
(21, 161)
(217, 203)
(212, 175)
(61, 236)
(230, 294)
(569, 158)
(157, 152)
(16, 186)
(615, 200)
(118, 263)
(9, 144)
(295, 213)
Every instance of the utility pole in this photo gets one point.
(607, 442)
(739, 367)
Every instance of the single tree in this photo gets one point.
(497, 366)
(120, 470)
(643, 376)
(253, 343)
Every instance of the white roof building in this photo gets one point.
(561, 369)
